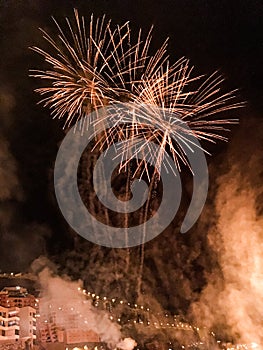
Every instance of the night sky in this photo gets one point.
(224, 35)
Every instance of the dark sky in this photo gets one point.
(224, 35)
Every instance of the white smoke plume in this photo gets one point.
(126, 344)
(62, 294)
(233, 296)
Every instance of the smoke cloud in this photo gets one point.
(59, 293)
(232, 301)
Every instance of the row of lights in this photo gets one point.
(97, 298)
(113, 300)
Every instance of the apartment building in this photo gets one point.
(17, 316)
(9, 323)
(17, 297)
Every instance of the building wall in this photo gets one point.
(47, 333)
(27, 322)
(51, 333)
(74, 336)
(9, 323)
(17, 324)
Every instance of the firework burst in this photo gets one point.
(96, 65)
(167, 112)
(92, 66)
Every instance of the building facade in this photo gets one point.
(17, 316)
(17, 297)
(9, 324)
(28, 327)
